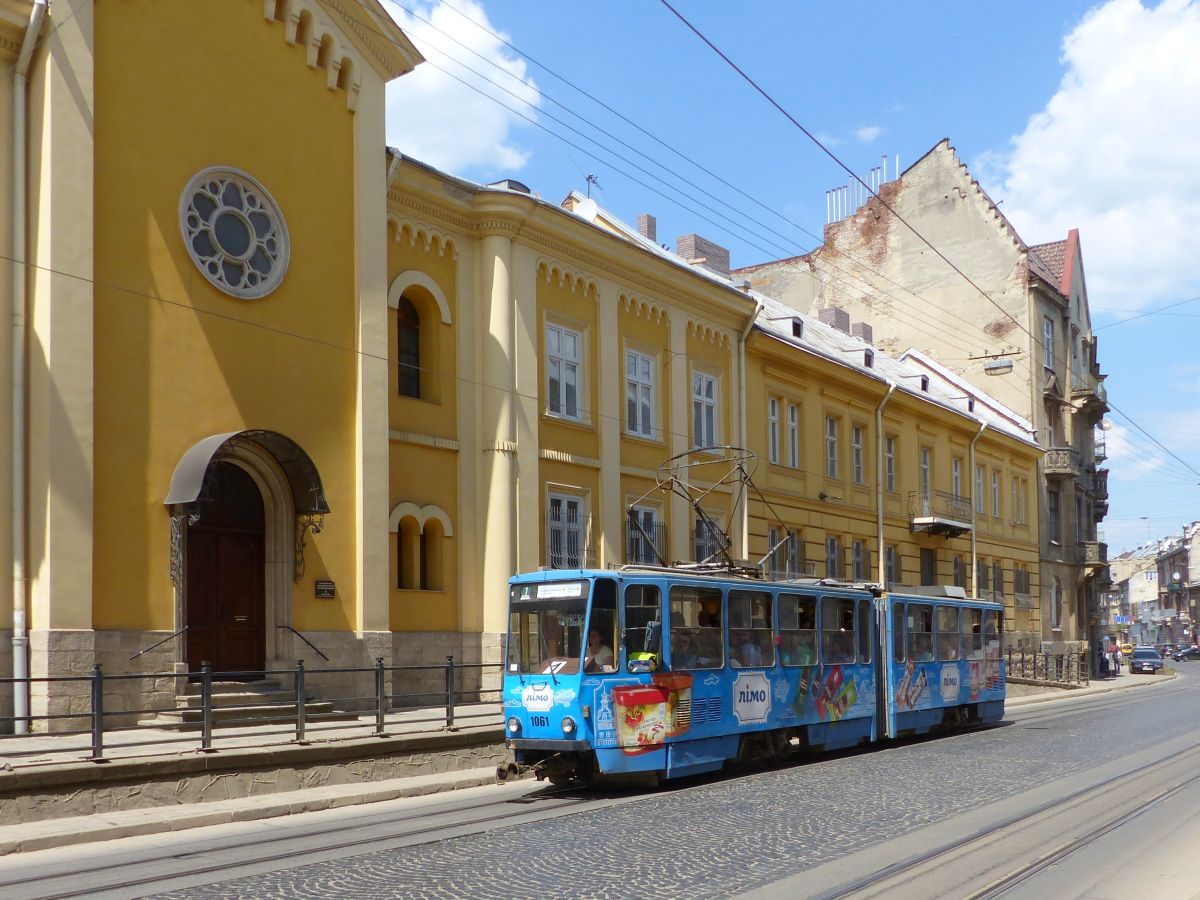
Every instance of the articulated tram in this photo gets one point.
(667, 672)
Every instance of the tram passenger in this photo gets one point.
(708, 648)
(744, 652)
(682, 656)
(797, 650)
(599, 656)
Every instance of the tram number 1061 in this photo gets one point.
(539, 721)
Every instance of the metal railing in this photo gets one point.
(246, 708)
(646, 544)
(939, 503)
(1048, 668)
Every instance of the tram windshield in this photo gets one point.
(545, 628)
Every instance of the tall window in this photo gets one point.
(925, 485)
(889, 461)
(644, 536)
(793, 436)
(639, 393)
(709, 540)
(979, 489)
(998, 577)
(958, 570)
(956, 477)
(928, 566)
(856, 445)
(831, 446)
(784, 561)
(1053, 501)
(409, 347)
(704, 410)
(981, 577)
(860, 561)
(832, 552)
(562, 371)
(1048, 342)
(773, 429)
(996, 494)
(565, 532)
(891, 567)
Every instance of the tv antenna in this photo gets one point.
(591, 179)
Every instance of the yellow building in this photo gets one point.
(278, 388)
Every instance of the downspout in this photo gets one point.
(879, 478)
(974, 506)
(742, 427)
(20, 637)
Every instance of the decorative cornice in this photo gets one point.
(320, 34)
(429, 237)
(564, 457)
(713, 334)
(644, 308)
(9, 43)
(552, 271)
(364, 34)
(424, 440)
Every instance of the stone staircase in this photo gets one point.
(266, 701)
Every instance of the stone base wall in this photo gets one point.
(61, 652)
(6, 671)
(351, 691)
(477, 659)
(124, 698)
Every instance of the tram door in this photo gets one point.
(883, 667)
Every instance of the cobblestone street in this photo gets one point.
(726, 836)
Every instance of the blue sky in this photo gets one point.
(1070, 114)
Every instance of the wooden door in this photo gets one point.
(226, 603)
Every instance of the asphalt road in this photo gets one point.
(1069, 798)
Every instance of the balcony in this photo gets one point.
(939, 512)
(1095, 560)
(1061, 462)
(1100, 494)
(1090, 397)
(646, 543)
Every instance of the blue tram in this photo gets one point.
(670, 672)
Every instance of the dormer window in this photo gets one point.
(797, 328)
(925, 383)
(868, 359)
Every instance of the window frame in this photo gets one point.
(831, 446)
(980, 506)
(833, 552)
(408, 371)
(1048, 342)
(562, 330)
(773, 429)
(814, 633)
(956, 476)
(889, 462)
(705, 410)
(645, 393)
(857, 440)
(793, 426)
(995, 494)
(580, 530)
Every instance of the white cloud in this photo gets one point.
(868, 133)
(1131, 455)
(1116, 154)
(435, 118)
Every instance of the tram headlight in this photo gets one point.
(514, 725)
(568, 725)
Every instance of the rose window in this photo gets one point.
(234, 232)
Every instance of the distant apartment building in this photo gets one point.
(1013, 319)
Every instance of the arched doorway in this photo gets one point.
(226, 606)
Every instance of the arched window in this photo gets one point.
(421, 547)
(409, 345)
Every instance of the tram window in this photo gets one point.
(864, 631)
(602, 628)
(643, 627)
(972, 628)
(920, 632)
(696, 612)
(991, 632)
(949, 638)
(837, 630)
(546, 628)
(798, 630)
(751, 637)
(898, 632)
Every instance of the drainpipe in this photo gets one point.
(20, 638)
(974, 506)
(742, 427)
(879, 478)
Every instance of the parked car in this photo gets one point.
(1165, 650)
(1186, 654)
(1145, 659)
(1127, 650)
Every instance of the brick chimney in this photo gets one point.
(648, 227)
(701, 251)
(862, 331)
(838, 318)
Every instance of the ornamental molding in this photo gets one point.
(360, 30)
(305, 24)
(423, 440)
(708, 332)
(416, 232)
(644, 308)
(553, 271)
(9, 43)
(563, 457)
(500, 447)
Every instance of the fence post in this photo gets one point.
(449, 693)
(97, 714)
(206, 709)
(380, 696)
(1046, 664)
(300, 701)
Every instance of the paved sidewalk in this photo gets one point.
(81, 829)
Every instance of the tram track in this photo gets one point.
(272, 850)
(992, 860)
